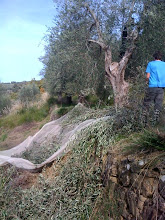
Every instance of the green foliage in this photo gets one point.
(71, 65)
(24, 116)
(92, 100)
(63, 110)
(75, 99)
(107, 205)
(5, 104)
(5, 101)
(33, 114)
(41, 152)
(14, 96)
(51, 101)
(75, 191)
(3, 137)
(28, 93)
(148, 140)
(151, 36)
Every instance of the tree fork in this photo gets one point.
(115, 71)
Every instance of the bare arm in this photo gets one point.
(147, 77)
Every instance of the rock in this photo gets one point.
(161, 204)
(162, 178)
(141, 201)
(162, 217)
(149, 211)
(148, 186)
(125, 178)
(140, 189)
(113, 179)
(125, 214)
(161, 188)
(136, 180)
(135, 168)
(151, 174)
(113, 169)
(132, 202)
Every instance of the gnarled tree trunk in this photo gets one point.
(115, 71)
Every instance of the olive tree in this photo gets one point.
(28, 94)
(5, 101)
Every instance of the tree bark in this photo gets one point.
(115, 71)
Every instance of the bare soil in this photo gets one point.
(26, 179)
(19, 134)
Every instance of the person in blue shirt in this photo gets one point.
(155, 76)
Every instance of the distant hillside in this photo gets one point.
(14, 86)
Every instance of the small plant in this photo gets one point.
(3, 137)
(52, 101)
(148, 140)
(63, 110)
(25, 116)
(5, 104)
(92, 100)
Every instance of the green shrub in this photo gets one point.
(28, 93)
(14, 96)
(33, 114)
(92, 100)
(63, 110)
(10, 121)
(51, 101)
(75, 99)
(3, 137)
(148, 140)
(25, 116)
(5, 104)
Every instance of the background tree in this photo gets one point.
(151, 37)
(5, 101)
(86, 40)
(28, 93)
(71, 64)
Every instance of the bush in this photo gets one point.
(28, 93)
(25, 116)
(5, 104)
(92, 100)
(51, 101)
(33, 114)
(148, 140)
(63, 110)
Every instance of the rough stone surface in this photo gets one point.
(140, 188)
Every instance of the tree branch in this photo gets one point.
(123, 62)
(102, 45)
(96, 22)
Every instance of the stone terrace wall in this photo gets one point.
(138, 184)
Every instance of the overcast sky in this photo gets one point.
(23, 24)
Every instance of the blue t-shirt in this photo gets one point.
(157, 73)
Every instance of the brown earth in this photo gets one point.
(19, 134)
(26, 179)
